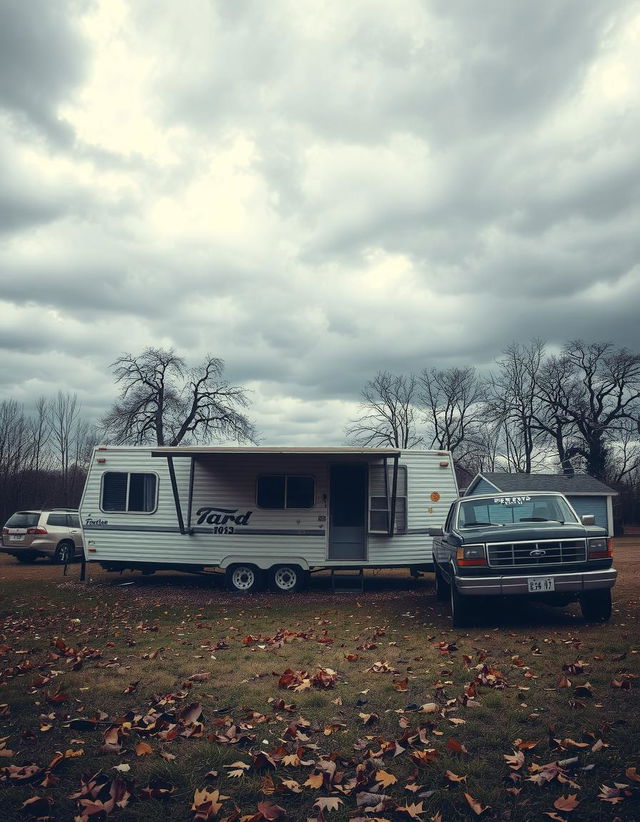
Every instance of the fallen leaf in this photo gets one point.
(328, 803)
(567, 803)
(143, 749)
(476, 806)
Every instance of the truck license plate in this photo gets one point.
(541, 584)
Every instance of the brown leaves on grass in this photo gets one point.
(206, 804)
(101, 794)
(323, 679)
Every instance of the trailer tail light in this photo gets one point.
(471, 555)
(600, 548)
(34, 531)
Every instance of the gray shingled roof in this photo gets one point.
(577, 484)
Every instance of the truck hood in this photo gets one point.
(528, 532)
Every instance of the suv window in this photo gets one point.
(73, 520)
(23, 519)
(57, 519)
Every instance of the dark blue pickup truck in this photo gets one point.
(530, 544)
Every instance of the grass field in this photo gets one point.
(134, 698)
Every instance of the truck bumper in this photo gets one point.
(563, 583)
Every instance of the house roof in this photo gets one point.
(577, 484)
(463, 477)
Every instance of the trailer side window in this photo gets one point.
(128, 492)
(380, 489)
(284, 491)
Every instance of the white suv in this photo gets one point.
(54, 533)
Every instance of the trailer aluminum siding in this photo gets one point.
(226, 478)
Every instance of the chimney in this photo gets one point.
(567, 469)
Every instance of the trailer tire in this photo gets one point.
(286, 579)
(244, 579)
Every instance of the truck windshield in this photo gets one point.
(509, 509)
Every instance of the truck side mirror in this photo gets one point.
(588, 519)
(435, 532)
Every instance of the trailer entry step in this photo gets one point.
(347, 581)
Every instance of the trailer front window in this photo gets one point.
(134, 493)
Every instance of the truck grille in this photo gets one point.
(544, 552)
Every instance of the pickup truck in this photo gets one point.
(530, 544)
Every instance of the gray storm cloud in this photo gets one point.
(312, 197)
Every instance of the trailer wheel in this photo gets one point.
(287, 578)
(245, 579)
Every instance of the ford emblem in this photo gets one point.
(537, 552)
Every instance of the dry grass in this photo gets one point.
(162, 630)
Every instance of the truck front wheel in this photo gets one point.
(461, 608)
(442, 587)
(596, 605)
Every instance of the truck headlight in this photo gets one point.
(471, 555)
(599, 548)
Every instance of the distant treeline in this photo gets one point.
(535, 410)
(43, 454)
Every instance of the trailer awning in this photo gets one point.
(203, 451)
(256, 450)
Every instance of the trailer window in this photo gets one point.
(284, 491)
(128, 492)
(380, 488)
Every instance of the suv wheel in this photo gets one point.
(596, 605)
(442, 587)
(64, 553)
(461, 608)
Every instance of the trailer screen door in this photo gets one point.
(347, 512)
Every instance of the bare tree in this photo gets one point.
(64, 415)
(452, 402)
(624, 452)
(164, 402)
(40, 432)
(515, 405)
(388, 417)
(594, 389)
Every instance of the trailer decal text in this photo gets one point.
(222, 516)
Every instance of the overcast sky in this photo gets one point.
(312, 190)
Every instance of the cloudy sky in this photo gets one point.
(312, 190)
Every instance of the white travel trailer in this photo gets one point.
(264, 514)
